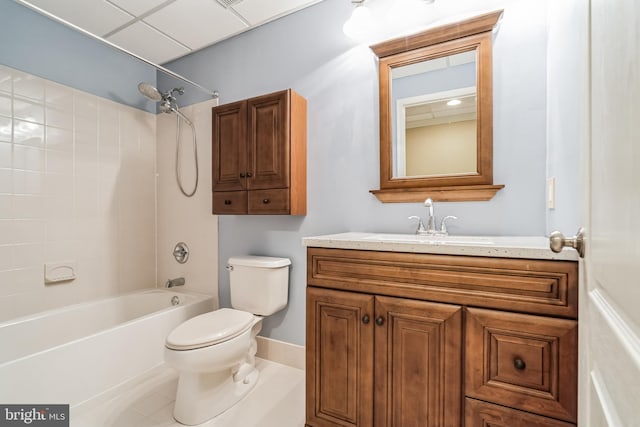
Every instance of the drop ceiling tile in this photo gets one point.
(260, 11)
(96, 16)
(137, 7)
(196, 23)
(149, 43)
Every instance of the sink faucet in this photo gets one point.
(430, 229)
(431, 219)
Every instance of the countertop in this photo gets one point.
(530, 247)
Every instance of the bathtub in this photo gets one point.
(72, 354)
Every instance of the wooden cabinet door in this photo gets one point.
(418, 360)
(268, 142)
(339, 358)
(229, 147)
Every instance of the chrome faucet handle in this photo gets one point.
(443, 224)
(421, 229)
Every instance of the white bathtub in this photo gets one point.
(72, 354)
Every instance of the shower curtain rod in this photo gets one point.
(212, 93)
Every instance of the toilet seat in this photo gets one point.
(209, 329)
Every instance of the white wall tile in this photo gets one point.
(6, 129)
(28, 110)
(6, 206)
(59, 117)
(28, 133)
(62, 250)
(29, 255)
(28, 86)
(59, 162)
(28, 182)
(59, 138)
(28, 158)
(85, 105)
(6, 181)
(58, 96)
(29, 207)
(5, 104)
(67, 193)
(60, 230)
(6, 257)
(6, 231)
(58, 185)
(28, 231)
(6, 79)
(6, 156)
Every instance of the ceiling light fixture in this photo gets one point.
(454, 102)
(360, 24)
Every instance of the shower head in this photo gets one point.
(150, 91)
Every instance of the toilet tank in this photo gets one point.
(259, 284)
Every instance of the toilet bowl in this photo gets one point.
(215, 352)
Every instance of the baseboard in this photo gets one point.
(281, 352)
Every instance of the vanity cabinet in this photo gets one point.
(408, 339)
(259, 155)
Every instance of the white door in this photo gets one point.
(610, 289)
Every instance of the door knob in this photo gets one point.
(557, 241)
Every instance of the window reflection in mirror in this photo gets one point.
(434, 112)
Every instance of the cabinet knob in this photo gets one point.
(380, 321)
(227, 202)
(365, 319)
(242, 175)
(519, 364)
(249, 174)
(265, 201)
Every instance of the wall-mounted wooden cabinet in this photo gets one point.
(396, 339)
(259, 155)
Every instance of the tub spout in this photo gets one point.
(175, 282)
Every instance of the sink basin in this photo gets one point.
(429, 240)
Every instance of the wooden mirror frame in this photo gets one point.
(471, 34)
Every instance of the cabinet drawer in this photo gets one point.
(229, 202)
(525, 285)
(522, 361)
(269, 201)
(482, 414)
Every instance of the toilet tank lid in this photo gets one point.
(259, 261)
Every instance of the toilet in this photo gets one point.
(215, 352)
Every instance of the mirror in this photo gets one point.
(435, 112)
(436, 119)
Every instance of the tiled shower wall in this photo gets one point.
(77, 183)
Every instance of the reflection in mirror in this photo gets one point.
(434, 116)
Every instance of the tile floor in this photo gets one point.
(276, 401)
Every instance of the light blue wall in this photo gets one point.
(308, 52)
(48, 49)
(568, 111)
